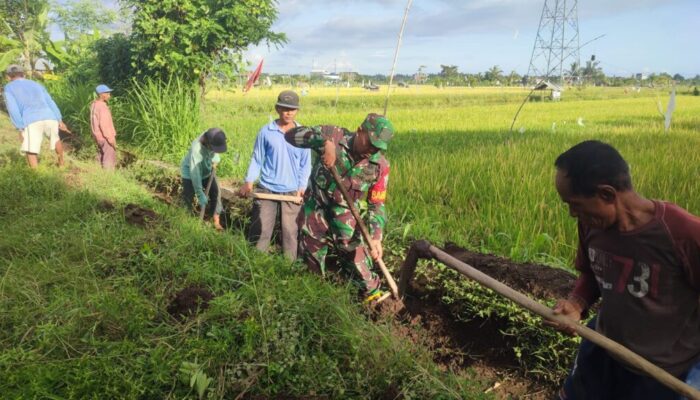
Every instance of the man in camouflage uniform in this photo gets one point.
(327, 223)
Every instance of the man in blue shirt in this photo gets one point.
(281, 169)
(34, 113)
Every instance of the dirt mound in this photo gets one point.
(189, 301)
(105, 206)
(479, 344)
(540, 281)
(139, 216)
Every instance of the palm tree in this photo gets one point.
(494, 74)
(574, 73)
(592, 71)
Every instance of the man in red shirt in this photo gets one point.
(641, 258)
(103, 128)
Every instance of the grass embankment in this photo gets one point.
(457, 173)
(84, 302)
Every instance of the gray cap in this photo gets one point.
(14, 69)
(288, 99)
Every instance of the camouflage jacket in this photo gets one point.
(366, 179)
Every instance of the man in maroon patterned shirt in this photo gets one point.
(641, 258)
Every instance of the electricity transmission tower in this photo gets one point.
(557, 45)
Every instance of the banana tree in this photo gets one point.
(25, 22)
(10, 51)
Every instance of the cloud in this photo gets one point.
(362, 33)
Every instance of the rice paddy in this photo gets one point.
(459, 174)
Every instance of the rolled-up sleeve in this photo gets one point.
(313, 137)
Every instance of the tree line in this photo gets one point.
(187, 39)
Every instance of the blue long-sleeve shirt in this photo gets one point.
(28, 102)
(280, 166)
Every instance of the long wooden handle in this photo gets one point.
(365, 232)
(206, 192)
(279, 197)
(618, 350)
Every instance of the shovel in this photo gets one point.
(366, 236)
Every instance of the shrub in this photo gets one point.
(161, 118)
(114, 61)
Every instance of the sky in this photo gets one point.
(641, 36)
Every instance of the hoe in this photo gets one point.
(425, 250)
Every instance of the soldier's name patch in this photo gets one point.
(377, 196)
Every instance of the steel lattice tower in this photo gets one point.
(557, 43)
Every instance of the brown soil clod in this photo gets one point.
(189, 301)
(540, 281)
(140, 216)
(390, 307)
(479, 343)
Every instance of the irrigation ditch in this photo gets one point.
(463, 334)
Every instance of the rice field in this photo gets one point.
(459, 175)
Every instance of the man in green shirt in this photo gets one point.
(197, 166)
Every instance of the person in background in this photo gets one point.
(196, 168)
(641, 259)
(103, 128)
(35, 115)
(281, 169)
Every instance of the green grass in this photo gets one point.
(83, 299)
(458, 174)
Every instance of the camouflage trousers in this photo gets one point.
(332, 228)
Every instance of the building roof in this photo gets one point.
(547, 85)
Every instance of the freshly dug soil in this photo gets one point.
(139, 216)
(479, 344)
(189, 301)
(540, 281)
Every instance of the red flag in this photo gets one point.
(253, 77)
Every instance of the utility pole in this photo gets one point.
(557, 42)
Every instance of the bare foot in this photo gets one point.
(217, 223)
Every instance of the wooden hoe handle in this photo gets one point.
(278, 197)
(365, 232)
(206, 192)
